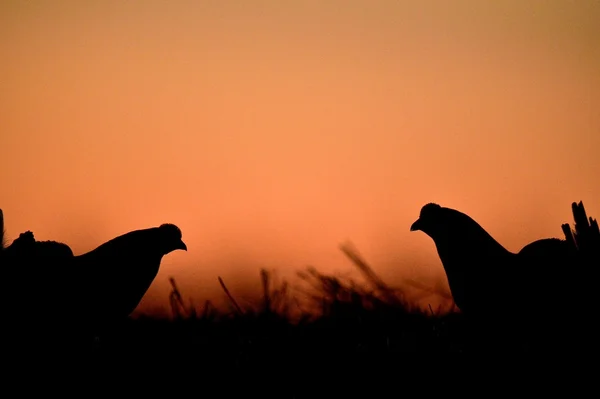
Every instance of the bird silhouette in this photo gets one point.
(36, 264)
(67, 294)
(117, 274)
(489, 281)
(26, 247)
(32, 273)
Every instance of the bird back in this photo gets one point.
(118, 273)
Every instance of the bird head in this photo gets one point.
(24, 243)
(451, 228)
(170, 238)
(430, 220)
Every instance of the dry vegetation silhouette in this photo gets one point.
(325, 320)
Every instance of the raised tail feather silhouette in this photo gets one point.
(2, 241)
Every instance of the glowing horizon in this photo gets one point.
(271, 133)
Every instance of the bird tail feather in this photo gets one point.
(2, 232)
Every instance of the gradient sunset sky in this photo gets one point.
(271, 131)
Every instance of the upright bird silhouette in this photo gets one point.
(486, 279)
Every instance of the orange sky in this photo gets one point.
(271, 131)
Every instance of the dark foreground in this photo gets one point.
(353, 338)
(348, 329)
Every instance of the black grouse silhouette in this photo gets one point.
(82, 294)
(26, 247)
(487, 280)
(117, 274)
(38, 265)
(33, 273)
(479, 268)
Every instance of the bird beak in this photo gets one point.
(416, 225)
(182, 245)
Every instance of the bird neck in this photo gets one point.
(461, 253)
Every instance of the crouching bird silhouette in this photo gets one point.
(86, 294)
(522, 299)
(32, 274)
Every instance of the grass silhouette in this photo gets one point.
(326, 319)
(332, 319)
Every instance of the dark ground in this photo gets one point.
(354, 340)
(347, 326)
